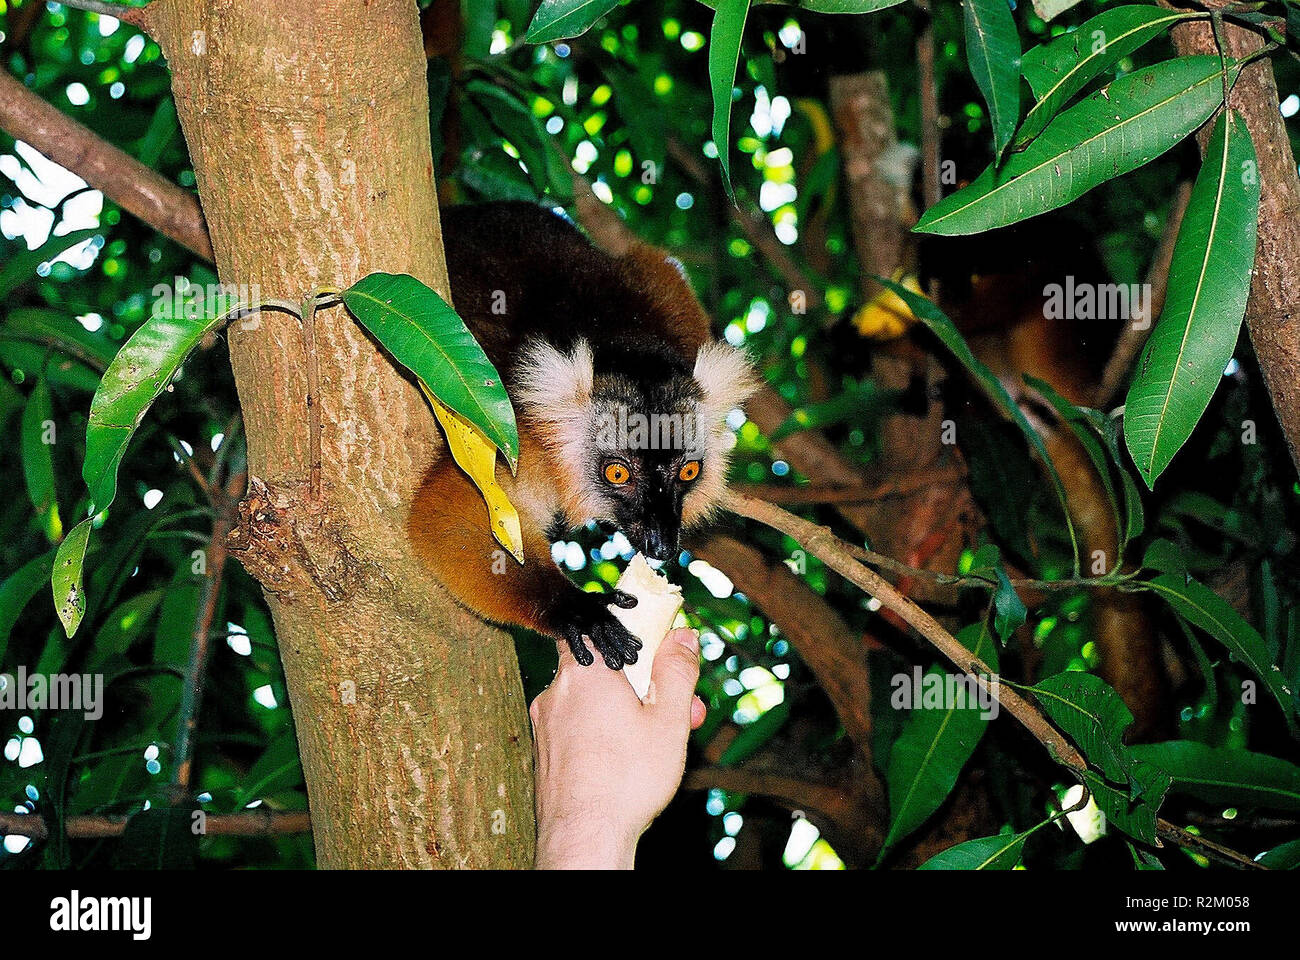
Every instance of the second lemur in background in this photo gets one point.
(591, 349)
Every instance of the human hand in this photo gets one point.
(607, 763)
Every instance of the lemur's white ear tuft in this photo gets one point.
(726, 377)
(552, 384)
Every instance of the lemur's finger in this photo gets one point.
(623, 599)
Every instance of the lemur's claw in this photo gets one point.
(622, 598)
(590, 619)
(580, 651)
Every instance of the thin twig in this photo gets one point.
(313, 398)
(836, 554)
(197, 663)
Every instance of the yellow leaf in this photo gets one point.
(887, 315)
(477, 456)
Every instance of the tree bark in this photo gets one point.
(308, 127)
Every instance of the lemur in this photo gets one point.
(584, 342)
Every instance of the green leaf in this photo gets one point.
(1061, 67)
(1207, 610)
(547, 168)
(993, 52)
(754, 735)
(1209, 281)
(1117, 129)
(141, 371)
(17, 591)
(934, 745)
(38, 458)
(1009, 609)
(1092, 715)
(62, 331)
(924, 309)
(1134, 810)
(1225, 775)
(160, 838)
(724, 57)
(65, 579)
(1285, 856)
(1164, 557)
(1143, 859)
(986, 853)
(561, 19)
(1084, 424)
(823, 6)
(277, 769)
(428, 337)
(21, 267)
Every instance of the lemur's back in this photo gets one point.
(519, 271)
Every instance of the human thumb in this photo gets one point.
(675, 673)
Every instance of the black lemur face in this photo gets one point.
(648, 456)
(644, 447)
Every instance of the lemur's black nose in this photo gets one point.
(659, 545)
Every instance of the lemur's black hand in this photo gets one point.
(581, 614)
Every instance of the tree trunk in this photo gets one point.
(308, 125)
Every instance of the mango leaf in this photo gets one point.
(428, 337)
(561, 19)
(160, 838)
(824, 6)
(275, 770)
(924, 309)
(474, 453)
(1117, 129)
(1134, 811)
(1207, 610)
(38, 457)
(139, 373)
(21, 267)
(1285, 856)
(65, 578)
(45, 328)
(724, 56)
(1143, 859)
(515, 121)
(753, 735)
(934, 745)
(1209, 281)
(985, 853)
(1061, 67)
(1085, 425)
(993, 52)
(1008, 609)
(1092, 715)
(1225, 775)
(17, 591)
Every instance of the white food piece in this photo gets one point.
(658, 607)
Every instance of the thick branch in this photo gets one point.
(792, 792)
(825, 642)
(898, 486)
(263, 822)
(142, 192)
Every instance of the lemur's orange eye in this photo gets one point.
(616, 473)
(689, 471)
